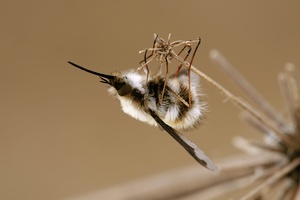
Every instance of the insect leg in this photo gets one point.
(147, 57)
(165, 82)
(189, 69)
(187, 55)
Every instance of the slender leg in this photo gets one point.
(187, 55)
(146, 65)
(166, 78)
(189, 69)
(152, 52)
(147, 57)
(182, 49)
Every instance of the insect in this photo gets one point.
(141, 102)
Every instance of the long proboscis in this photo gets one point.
(110, 77)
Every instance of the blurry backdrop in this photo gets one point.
(62, 135)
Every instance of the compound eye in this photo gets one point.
(124, 90)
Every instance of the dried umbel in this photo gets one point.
(280, 179)
(164, 51)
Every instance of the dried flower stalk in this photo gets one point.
(184, 182)
(286, 144)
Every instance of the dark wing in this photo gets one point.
(193, 150)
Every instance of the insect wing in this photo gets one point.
(189, 146)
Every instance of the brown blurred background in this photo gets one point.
(62, 135)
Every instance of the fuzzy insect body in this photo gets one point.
(142, 98)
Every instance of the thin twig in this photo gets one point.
(256, 191)
(285, 91)
(297, 195)
(269, 137)
(285, 186)
(223, 188)
(290, 89)
(248, 145)
(246, 87)
(183, 181)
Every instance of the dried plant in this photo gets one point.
(270, 168)
(164, 51)
(281, 179)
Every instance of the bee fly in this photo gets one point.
(141, 102)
